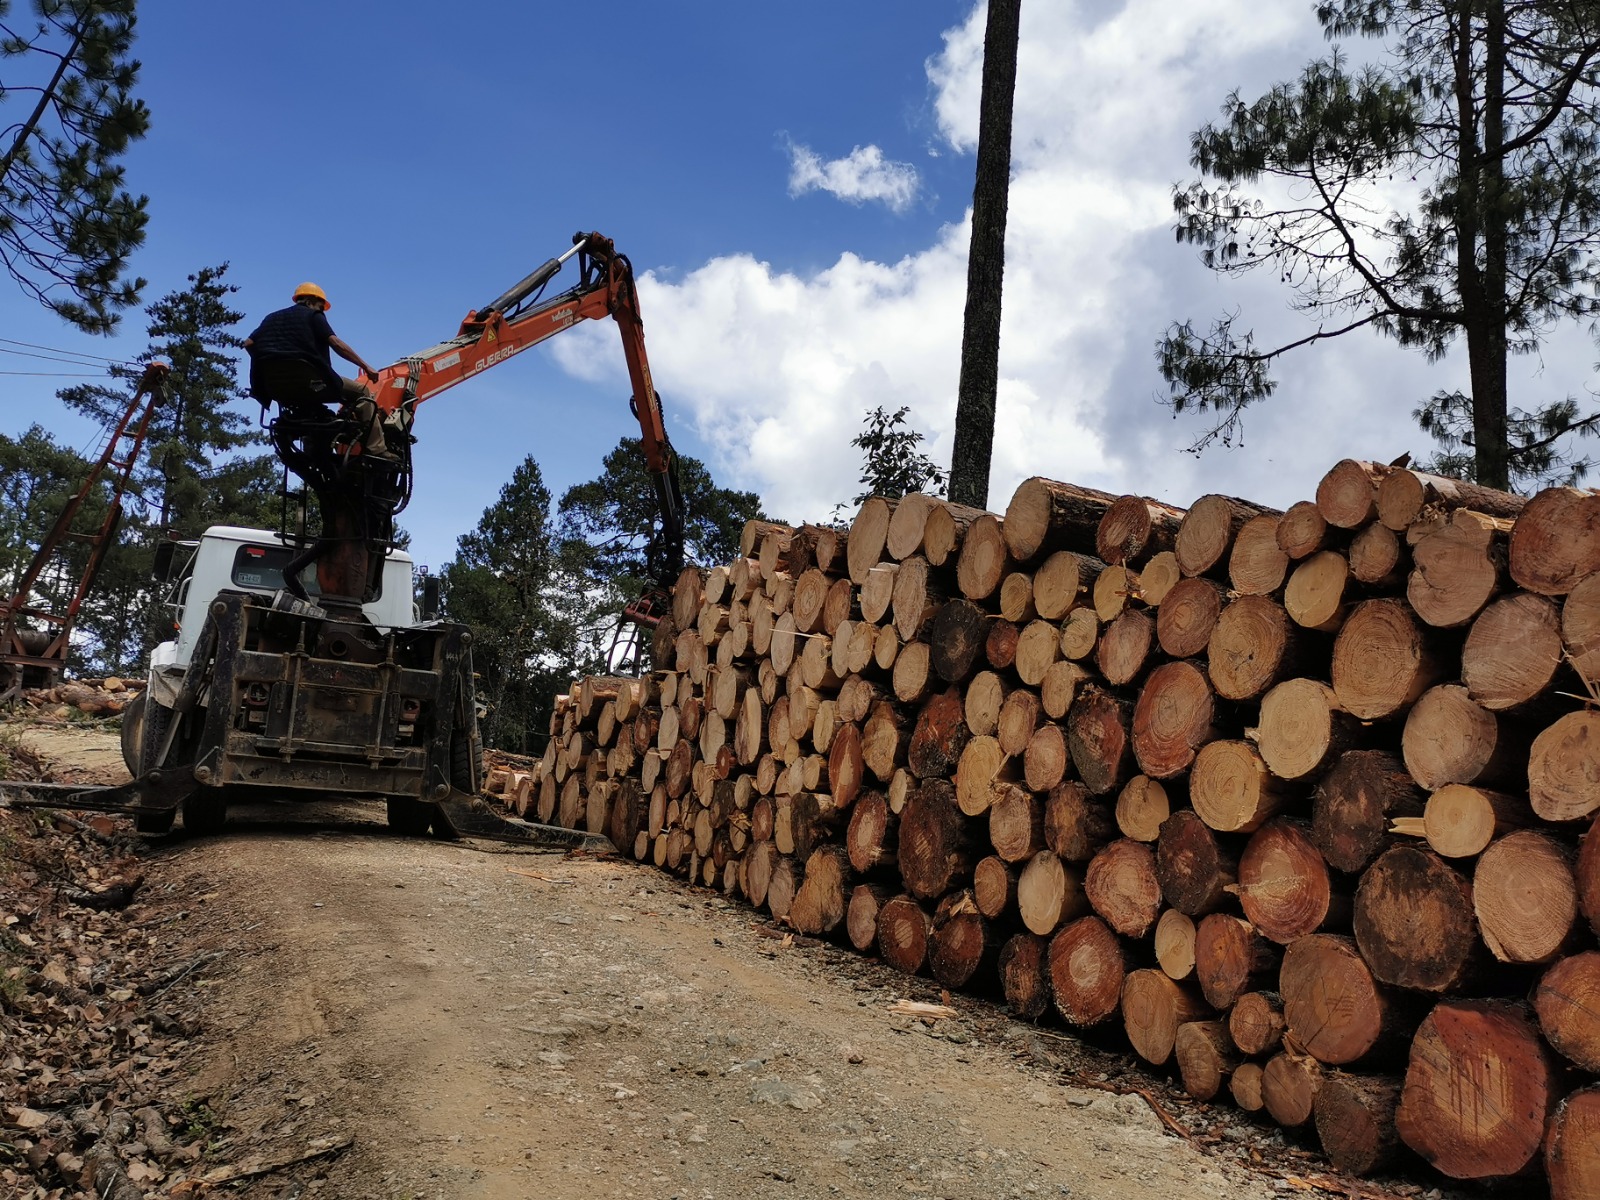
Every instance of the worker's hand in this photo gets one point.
(372, 376)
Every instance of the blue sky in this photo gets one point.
(792, 183)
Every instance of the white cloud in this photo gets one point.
(862, 175)
(775, 370)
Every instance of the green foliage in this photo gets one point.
(1486, 112)
(503, 583)
(67, 226)
(543, 594)
(893, 466)
(605, 526)
(195, 469)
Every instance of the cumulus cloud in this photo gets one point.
(862, 175)
(775, 370)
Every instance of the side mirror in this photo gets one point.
(161, 567)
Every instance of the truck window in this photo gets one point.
(260, 569)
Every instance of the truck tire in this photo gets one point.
(410, 818)
(132, 735)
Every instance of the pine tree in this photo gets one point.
(67, 226)
(1491, 107)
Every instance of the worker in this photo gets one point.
(289, 363)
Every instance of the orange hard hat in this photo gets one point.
(312, 290)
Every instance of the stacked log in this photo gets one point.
(92, 697)
(1303, 803)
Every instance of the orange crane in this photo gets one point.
(513, 322)
(35, 636)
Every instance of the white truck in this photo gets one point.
(266, 696)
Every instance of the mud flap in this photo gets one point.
(472, 816)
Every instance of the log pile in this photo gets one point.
(1304, 802)
(92, 697)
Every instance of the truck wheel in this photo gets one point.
(133, 739)
(410, 818)
(204, 815)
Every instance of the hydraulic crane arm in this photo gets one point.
(510, 324)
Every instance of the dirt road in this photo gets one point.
(458, 1020)
(488, 1024)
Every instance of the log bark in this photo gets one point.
(1382, 662)
(1525, 896)
(1208, 530)
(1556, 541)
(1253, 646)
(1230, 958)
(983, 561)
(1075, 824)
(956, 639)
(1134, 528)
(1333, 1007)
(1099, 737)
(1354, 803)
(1231, 789)
(1049, 894)
(1086, 972)
(1194, 871)
(1572, 1147)
(1413, 921)
(1206, 1057)
(1256, 566)
(1284, 884)
(1024, 975)
(1567, 1003)
(1478, 1090)
(1045, 515)
(1121, 886)
(1512, 652)
(939, 737)
(1171, 721)
(1153, 1006)
(1355, 1120)
(903, 929)
(1404, 497)
(1256, 1022)
(935, 841)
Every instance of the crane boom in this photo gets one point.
(504, 328)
